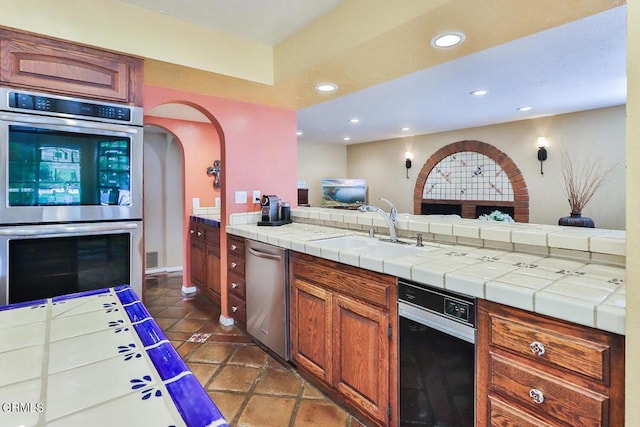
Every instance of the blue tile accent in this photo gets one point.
(168, 363)
(193, 402)
(137, 312)
(149, 332)
(126, 295)
(205, 221)
(34, 304)
(81, 294)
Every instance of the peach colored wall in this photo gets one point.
(258, 148)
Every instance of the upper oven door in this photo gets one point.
(68, 170)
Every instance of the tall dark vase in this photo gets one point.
(576, 220)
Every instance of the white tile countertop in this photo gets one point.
(94, 359)
(573, 287)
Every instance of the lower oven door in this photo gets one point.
(43, 261)
(437, 370)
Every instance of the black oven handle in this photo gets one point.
(37, 230)
(69, 122)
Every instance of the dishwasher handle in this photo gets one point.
(266, 255)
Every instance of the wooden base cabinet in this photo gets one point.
(343, 334)
(538, 371)
(236, 290)
(205, 259)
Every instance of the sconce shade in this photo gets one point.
(542, 154)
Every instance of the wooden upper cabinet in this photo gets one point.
(43, 64)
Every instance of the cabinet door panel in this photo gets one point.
(505, 415)
(311, 329)
(198, 262)
(213, 271)
(362, 370)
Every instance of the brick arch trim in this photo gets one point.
(521, 193)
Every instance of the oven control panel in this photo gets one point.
(456, 309)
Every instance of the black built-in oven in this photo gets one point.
(437, 356)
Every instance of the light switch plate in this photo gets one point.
(241, 197)
(256, 196)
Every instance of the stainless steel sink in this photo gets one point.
(346, 242)
(371, 246)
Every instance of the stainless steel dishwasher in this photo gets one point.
(267, 295)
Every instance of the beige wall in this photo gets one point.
(319, 161)
(632, 280)
(600, 133)
(163, 199)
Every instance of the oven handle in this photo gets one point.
(58, 121)
(437, 322)
(26, 231)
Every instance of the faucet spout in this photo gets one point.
(387, 219)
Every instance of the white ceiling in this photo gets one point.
(574, 67)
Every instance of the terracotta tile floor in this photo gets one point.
(251, 388)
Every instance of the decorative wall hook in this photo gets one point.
(215, 170)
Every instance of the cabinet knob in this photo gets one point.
(234, 285)
(536, 395)
(192, 231)
(233, 247)
(234, 308)
(199, 233)
(537, 348)
(233, 264)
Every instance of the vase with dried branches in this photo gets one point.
(580, 183)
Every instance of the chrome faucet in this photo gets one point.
(389, 219)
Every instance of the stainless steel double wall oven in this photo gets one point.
(70, 195)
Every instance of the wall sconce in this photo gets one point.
(542, 151)
(407, 161)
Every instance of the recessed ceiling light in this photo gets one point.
(404, 129)
(479, 92)
(524, 108)
(355, 120)
(445, 40)
(299, 133)
(346, 138)
(326, 87)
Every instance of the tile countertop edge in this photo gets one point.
(601, 316)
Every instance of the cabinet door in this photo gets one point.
(213, 271)
(311, 329)
(361, 347)
(198, 262)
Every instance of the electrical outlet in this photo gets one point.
(241, 197)
(256, 196)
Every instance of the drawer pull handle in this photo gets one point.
(233, 264)
(537, 348)
(234, 308)
(536, 395)
(199, 233)
(233, 247)
(234, 285)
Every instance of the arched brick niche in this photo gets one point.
(493, 163)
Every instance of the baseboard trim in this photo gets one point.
(226, 321)
(163, 270)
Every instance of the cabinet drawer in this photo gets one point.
(560, 399)
(366, 285)
(235, 264)
(237, 309)
(235, 246)
(236, 285)
(552, 347)
(503, 414)
(212, 234)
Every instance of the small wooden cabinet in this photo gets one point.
(44, 64)
(205, 258)
(536, 371)
(236, 281)
(343, 333)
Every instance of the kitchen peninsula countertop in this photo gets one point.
(95, 359)
(564, 283)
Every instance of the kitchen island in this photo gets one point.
(95, 358)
